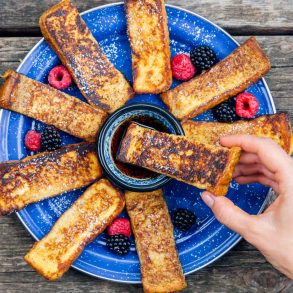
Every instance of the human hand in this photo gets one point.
(271, 233)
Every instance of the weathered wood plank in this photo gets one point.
(206, 280)
(278, 48)
(73, 282)
(241, 17)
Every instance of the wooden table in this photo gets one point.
(243, 269)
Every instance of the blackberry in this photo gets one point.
(203, 57)
(118, 244)
(183, 219)
(226, 111)
(50, 139)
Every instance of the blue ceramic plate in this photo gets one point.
(208, 240)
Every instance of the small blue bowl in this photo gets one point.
(127, 176)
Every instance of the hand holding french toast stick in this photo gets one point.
(265, 162)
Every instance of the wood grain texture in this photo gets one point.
(243, 269)
(240, 17)
(278, 48)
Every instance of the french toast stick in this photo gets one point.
(243, 67)
(44, 103)
(89, 215)
(153, 231)
(203, 166)
(46, 175)
(276, 127)
(98, 80)
(149, 40)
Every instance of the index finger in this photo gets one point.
(269, 152)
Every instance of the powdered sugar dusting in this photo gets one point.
(59, 204)
(110, 50)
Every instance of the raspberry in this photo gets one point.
(203, 57)
(119, 226)
(32, 140)
(183, 219)
(118, 244)
(182, 67)
(247, 105)
(59, 77)
(50, 139)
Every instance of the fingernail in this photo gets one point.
(208, 199)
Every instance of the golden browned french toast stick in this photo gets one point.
(232, 75)
(100, 204)
(276, 127)
(46, 175)
(149, 40)
(42, 102)
(99, 81)
(153, 230)
(204, 166)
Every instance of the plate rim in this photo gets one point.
(236, 237)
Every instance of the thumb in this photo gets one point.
(229, 214)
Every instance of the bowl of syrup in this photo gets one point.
(127, 176)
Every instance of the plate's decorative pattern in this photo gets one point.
(197, 247)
